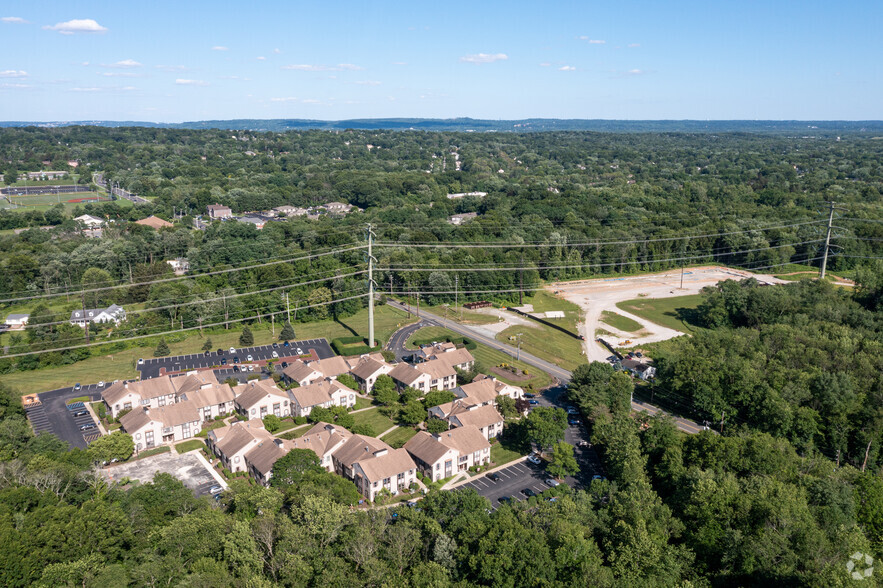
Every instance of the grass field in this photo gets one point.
(189, 445)
(43, 202)
(675, 313)
(487, 358)
(362, 403)
(121, 365)
(462, 315)
(374, 419)
(501, 455)
(400, 436)
(623, 323)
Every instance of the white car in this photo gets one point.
(534, 459)
(249, 358)
(140, 361)
(101, 384)
(299, 351)
(553, 482)
(232, 350)
(275, 355)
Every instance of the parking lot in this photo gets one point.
(513, 480)
(53, 416)
(151, 367)
(189, 468)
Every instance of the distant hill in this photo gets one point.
(802, 128)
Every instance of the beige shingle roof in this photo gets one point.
(481, 391)
(437, 369)
(377, 468)
(367, 368)
(359, 447)
(299, 371)
(465, 440)
(211, 395)
(405, 374)
(265, 454)
(453, 357)
(247, 395)
(426, 448)
(321, 438)
(195, 381)
(146, 389)
(134, 419)
(170, 415)
(240, 435)
(330, 367)
(481, 417)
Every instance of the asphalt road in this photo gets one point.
(397, 342)
(513, 480)
(151, 367)
(54, 417)
(686, 425)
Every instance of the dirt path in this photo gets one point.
(596, 296)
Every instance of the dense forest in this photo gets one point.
(558, 206)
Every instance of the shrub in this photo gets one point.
(300, 420)
(272, 423)
(347, 346)
(246, 339)
(162, 349)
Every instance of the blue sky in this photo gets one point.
(193, 59)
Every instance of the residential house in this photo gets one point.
(180, 266)
(258, 398)
(639, 367)
(112, 314)
(443, 455)
(257, 221)
(217, 211)
(324, 440)
(90, 221)
(213, 400)
(337, 207)
(367, 371)
(458, 357)
(231, 442)
(150, 427)
(406, 376)
(459, 219)
(442, 374)
(356, 447)
(303, 374)
(17, 321)
(465, 411)
(261, 458)
(152, 393)
(386, 469)
(289, 210)
(485, 389)
(330, 367)
(325, 393)
(154, 222)
(464, 194)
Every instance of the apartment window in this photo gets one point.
(236, 459)
(162, 401)
(401, 477)
(127, 406)
(386, 481)
(137, 435)
(145, 402)
(167, 430)
(185, 430)
(254, 411)
(438, 466)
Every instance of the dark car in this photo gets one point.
(494, 476)
(235, 359)
(80, 413)
(207, 353)
(236, 368)
(286, 344)
(533, 402)
(529, 395)
(223, 361)
(505, 500)
(284, 364)
(572, 421)
(528, 492)
(87, 426)
(220, 352)
(275, 346)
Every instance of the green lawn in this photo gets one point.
(374, 419)
(463, 315)
(623, 323)
(189, 445)
(286, 424)
(676, 313)
(362, 403)
(488, 358)
(501, 455)
(121, 365)
(400, 436)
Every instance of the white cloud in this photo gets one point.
(484, 57)
(13, 20)
(11, 73)
(545, 64)
(262, 58)
(635, 72)
(15, 85)
(322, 67)
(219, 48)
(172, 67)
(85, 64)
(183, 82)
(120, 74)
(277, 51)
(124, 64)
(368, 83)
(311, 101)
(80, 25)
(93, 89)
(591, 41)
(287, 99)
(567, 68)
(633, 45)
(400, 63)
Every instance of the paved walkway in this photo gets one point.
(389, 430)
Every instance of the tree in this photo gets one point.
(246, 339)
(363, 429)
(117, 445)
(546, 425)
(412, 413)
(287, 333)
(437, 397)
(318, 300)
(162, 349)
(436, 425)
(506, 407)
(348, 381)
(272, 423)
(409, 394)
(293, 466)
(207, 346)
(384, 390)
(563, 463)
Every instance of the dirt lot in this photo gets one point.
(596, 296)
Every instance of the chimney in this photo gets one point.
(381, 452)
(437, 437)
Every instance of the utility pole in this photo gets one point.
(521, 282)
(273, 323)
(418, 303)
(682, 277)
(390, 285)
(287, 308)
(723, 414)
(518, 351)
(85, 319)
(456, 293)
(827, 240)
(371, 261)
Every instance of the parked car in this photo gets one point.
(235, 359)
(494, 477)
(223, 361)
(215, 489)
(572, 421)
(553, 482)
(232, 350)
(533, 402)
(284, 364)
(140, 361)
(220, 352)
(598, 477)
(528, 492)
(101, 384)
(299, 351)
(505, 500)
(80, 413)
(87, 426)
(275, 355)
(286, 344)
(77, 386)
(249, 358)
(236, 368)
(207, 353)
(251, 368)
(639, 354)
(275, 346)
(572, 410)
(529, 395)
(534, 459)
(584, 444)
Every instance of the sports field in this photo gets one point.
(46, 201)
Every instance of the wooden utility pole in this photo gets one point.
(85, 320)
(288, 308)
(273, 323)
